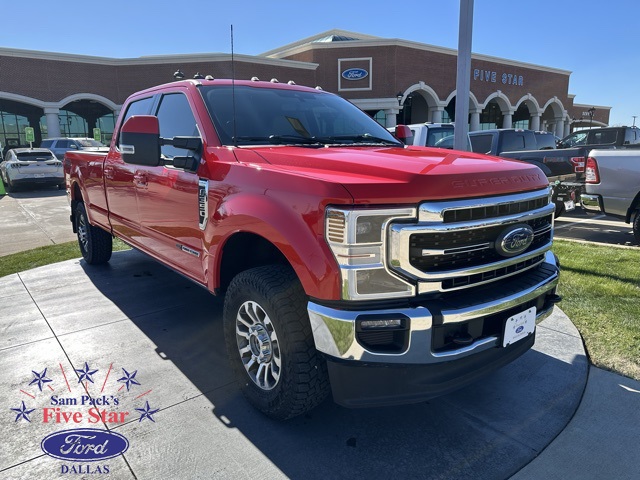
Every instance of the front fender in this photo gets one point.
(296, 230)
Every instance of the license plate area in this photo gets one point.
(569, 205)
(519, 326)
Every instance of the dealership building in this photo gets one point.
(394, 80)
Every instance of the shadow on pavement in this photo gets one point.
(487, 430)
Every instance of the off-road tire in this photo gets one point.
(636, 225)
(95, 244)
(303, 381)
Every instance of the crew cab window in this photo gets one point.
(46, 143)
(630, 136)
(513, 141)
(481, 143)
(176, 120)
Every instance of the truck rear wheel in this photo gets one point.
(270, 344)
(636, 226)
(95, 244)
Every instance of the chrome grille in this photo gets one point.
(453, 245)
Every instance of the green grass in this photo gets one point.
(600, 286)
(21, 261)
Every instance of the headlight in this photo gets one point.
(357, 239)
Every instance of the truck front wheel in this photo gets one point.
(270, 344)
(95, 244)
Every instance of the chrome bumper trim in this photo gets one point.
(334, 331)
(591, 203)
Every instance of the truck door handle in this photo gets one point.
(140, 179)
(108, 173)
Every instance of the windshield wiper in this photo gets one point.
(294, 139)
(360, 139)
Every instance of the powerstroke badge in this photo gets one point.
(203, 203)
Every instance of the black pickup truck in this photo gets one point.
(601, 138)
(563, 167)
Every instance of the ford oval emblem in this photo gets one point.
(519, 329)
(514, 240)
(84, 445)
(355, 74)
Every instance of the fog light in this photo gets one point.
(380, 324)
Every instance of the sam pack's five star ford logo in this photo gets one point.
(95, 397)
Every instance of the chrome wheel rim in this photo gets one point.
(258, 345)
(83, 236)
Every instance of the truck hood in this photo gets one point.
(413, 174)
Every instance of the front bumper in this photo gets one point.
(424, 366)
(591, 203)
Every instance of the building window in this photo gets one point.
(12, 128)
(381, 118)
(72, 125)
(445, 117)
(523, 124)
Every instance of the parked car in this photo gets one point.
(61, 145)
(427, 134)
(34, 166)
(562, 167)
(606, 137)
(613, 185)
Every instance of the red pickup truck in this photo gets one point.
(349, 262)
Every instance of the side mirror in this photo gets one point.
(140, 141)
(403, 133)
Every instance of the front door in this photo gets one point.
(168, 197)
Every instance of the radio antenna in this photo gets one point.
(233, 91)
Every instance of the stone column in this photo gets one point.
(391, 114)
(474, 124)
(559, 128)
(535, 122)
(567, 128)
(53, 122)
(507, 120)
(436, 114)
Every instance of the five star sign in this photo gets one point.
(40, 378)
(24, 413)
(128, 379)
(85, 373)
(146, 412)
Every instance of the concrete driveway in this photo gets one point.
(34, 218)
(133, 315)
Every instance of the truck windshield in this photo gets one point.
(278, 116)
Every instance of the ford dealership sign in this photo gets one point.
(355, 74)
(84, 445)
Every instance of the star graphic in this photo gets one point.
(23, 412)
(85, 374)
(129, 379)
(147, 412)
(40, 378)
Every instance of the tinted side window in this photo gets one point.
(176, 119)
(481, 143)
(512, 141)
(46, 143)
(62, 144)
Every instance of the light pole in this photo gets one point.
(634, 120)
(591, 113)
